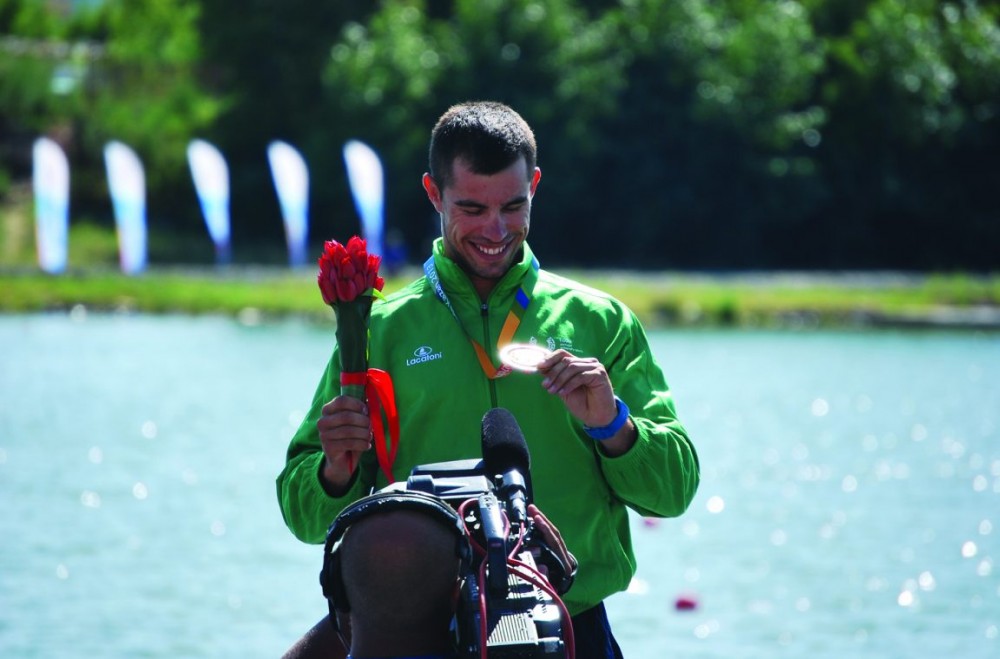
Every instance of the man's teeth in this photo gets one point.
(491, 251)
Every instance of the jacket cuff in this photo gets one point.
(631, 459)
(327, 488)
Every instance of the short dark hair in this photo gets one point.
(400, 570)
(487, 135)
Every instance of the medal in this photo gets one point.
(523, 357)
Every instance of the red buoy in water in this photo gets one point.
(687, 602)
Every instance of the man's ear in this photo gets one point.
(433, 191)
(535, 178)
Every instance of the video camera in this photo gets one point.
(510, 594)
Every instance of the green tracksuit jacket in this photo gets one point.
(442, 395)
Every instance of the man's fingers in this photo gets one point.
(568, 375)
(557, 369)
(344, 427)
(343, 424)
(549, 532)
(345, 404)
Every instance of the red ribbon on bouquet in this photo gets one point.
(381, 397)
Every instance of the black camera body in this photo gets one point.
(522, 617)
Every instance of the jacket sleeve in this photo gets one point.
(307, 508)
(659, 475)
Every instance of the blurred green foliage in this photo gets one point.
(713, 134)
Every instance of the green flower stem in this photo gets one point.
(352, 338)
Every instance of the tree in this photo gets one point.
(912, 93)
(703, 133)
(125, 70)
(406, 66)
(266, 58)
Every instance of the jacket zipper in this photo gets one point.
(484, 311)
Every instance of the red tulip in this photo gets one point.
(347, 272)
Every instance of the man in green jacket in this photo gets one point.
(598, 417)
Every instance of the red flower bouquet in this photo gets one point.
(349, 280)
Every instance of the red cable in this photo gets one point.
(526, 572)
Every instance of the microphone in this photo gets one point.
(505, 455)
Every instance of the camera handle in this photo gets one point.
(495, 534)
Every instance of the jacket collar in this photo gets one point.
(523, 273)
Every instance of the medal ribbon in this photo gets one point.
(381, 396)
(510, 324)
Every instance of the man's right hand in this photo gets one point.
(345, 432)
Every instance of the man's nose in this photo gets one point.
(495, 228)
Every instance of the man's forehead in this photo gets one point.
(503, 187)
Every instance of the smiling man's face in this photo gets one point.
(484, 218)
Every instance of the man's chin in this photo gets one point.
(484, 267)
(492, 269)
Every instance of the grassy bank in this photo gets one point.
(665, 299)
(661, 300)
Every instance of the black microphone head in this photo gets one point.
(504, 447)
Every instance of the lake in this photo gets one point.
(849, 506)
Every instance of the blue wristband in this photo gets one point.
(610, 430)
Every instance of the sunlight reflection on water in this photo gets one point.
(843, 475)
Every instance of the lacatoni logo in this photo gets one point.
(423, 354)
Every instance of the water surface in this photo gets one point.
(849, 506)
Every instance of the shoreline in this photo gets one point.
(662, 300)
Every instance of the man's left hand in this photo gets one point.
(585, 388)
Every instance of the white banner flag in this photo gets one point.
(291, 181)
(127, 184)
(50, 180)
(364, 172)
(211, 182)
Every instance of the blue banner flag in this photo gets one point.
(127, 184)
(291, 181)
(50, 180)
(211, 182)
(364, 172)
